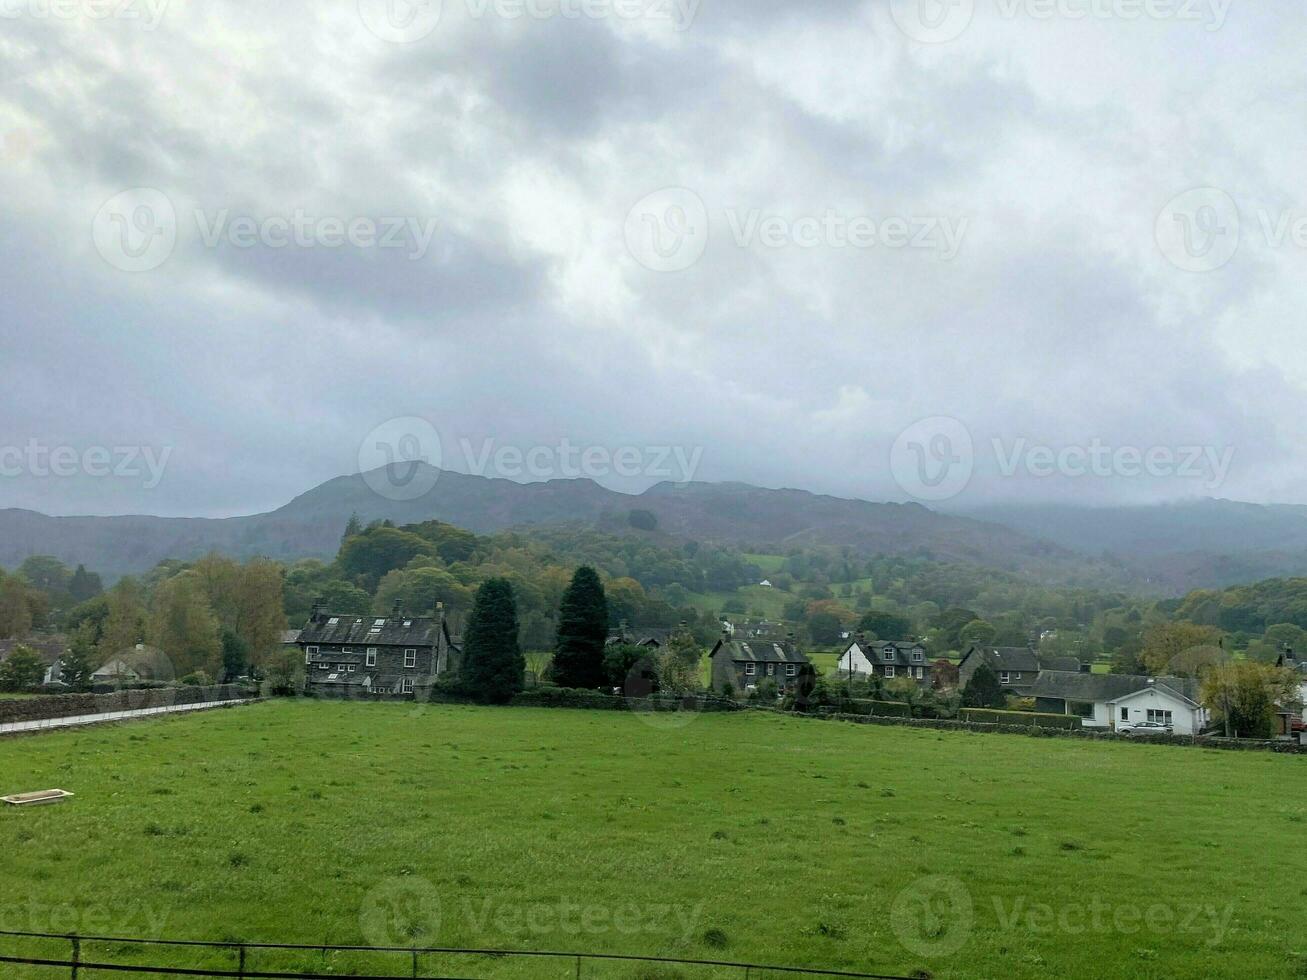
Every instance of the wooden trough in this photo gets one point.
(36, 799)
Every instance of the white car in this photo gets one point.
(1143, 728)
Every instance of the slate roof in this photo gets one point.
(1012, 659)
(640, 636)
(760, 651)
(48, 648)
(1068, 664)
(290, 637)
(1075, 686)
(901, 652)
(369, 631)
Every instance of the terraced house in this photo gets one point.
(396, 656)
(745, 663)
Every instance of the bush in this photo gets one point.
(1032, 719)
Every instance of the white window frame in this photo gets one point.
(791, 670)
(889, 670)
(407, 687)
(410, 657)
(750, 670)
(1004, 677)
(921, 673)
(917, 656)
(371, 657)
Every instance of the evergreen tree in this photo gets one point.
(984, 690)
(582, 632)
(22, 670)
(493, 665)
(79, 662)
(352, 527)
(84, 585)
(235, 655)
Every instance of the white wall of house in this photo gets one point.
(856, 659)
(1186, 718)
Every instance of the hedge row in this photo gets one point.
(1021, 719)
(1200, 741)
(561, 697)
(68, 705)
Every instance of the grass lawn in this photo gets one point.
(743, 837)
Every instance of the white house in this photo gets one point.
(1107, 701)
(1294, 662)
(885, 659)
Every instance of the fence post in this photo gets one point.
(77, 954)
(578, 968)
(241, 965)
(415, 962)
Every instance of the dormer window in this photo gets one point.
(887, 653)
(917, 656)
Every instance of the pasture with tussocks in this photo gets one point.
(740, 837)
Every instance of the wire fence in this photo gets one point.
(85, 956)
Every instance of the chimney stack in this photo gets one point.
(316, 614)
(397, 610)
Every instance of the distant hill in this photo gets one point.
(1177, 546)
(730, 514)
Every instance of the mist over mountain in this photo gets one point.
(1208, 543)
(729, 513)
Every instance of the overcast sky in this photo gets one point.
(754, 241)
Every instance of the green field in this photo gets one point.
(740, 837)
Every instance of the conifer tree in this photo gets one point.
(493, 665)
(582, 633)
